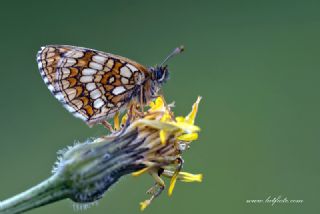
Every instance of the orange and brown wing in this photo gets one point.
(91, 84)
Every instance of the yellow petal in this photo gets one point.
(159, 101)
(157, 105)
(163, 137)
(184, 176)
(124, 119)
(152, 104)
(192, 115)
(180, 119)
(144, 204)
(188, 177)
(166, 117)
(186, 127)
(116, 121)
(140, 172)
(188, 137)
(173, 183)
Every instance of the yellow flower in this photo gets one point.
(166, 139)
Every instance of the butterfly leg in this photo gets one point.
(141, 99)
(159, 182)
(155, 191)
(138, 113)
(107, 125)
(134, 109)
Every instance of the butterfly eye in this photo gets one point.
(161, 74)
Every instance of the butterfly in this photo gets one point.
(94, 85)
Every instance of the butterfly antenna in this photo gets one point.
(172, 54)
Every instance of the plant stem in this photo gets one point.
(51, 190)
(83, 173)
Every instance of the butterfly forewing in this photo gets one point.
(91, 84)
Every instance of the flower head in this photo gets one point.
(150, 142)
(168, 137)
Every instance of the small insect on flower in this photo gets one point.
(94, 85)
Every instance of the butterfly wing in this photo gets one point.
(91, 84)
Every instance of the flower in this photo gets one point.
(143, 142)
(163, 156)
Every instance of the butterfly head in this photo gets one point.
(160, 74)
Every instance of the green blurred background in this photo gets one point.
(256, 64)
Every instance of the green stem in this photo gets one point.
(84, 172)
(48, 191)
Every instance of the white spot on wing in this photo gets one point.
(99, 59)
(51, 88)
(118, 90)
(95, 94)
(59, 96)
(124, 80)
(98, 103)
(124, 71)
(132, 68)
(68, 62)
(90, 86)
(45, 79)
(86, 79)
(69, 108)
(95, 65)
(89, 71)
(40, 65)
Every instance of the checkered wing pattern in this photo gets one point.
(91, 84)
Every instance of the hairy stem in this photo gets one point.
(83, 174)
(48, 191)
